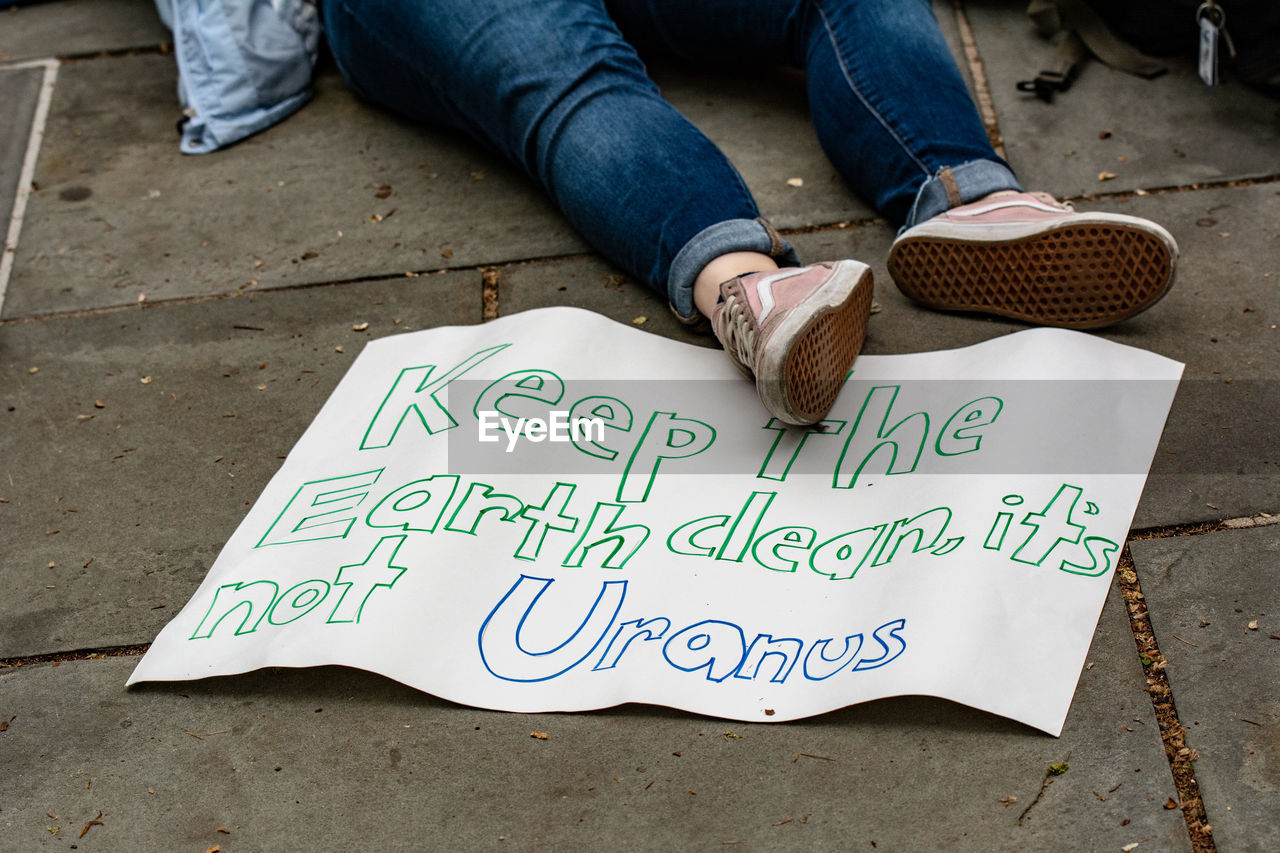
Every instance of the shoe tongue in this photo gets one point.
(1045, 198)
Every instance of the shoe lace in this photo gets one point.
(736, 332)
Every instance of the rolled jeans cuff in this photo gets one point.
(957, 185)
(732, 235)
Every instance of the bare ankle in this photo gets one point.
(706, 287)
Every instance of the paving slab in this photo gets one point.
(591, 283)
(22, 89)
(776, 143)
(1220, 453)
(112, 514)
(338, 759)
(120, 212)
(761, 122)
(1158, 133)
(1203, 594)
(78, 28)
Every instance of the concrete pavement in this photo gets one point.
(150, 295)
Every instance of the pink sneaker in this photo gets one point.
(1028, 257)
(797, 331)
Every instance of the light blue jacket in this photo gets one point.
(243, 65)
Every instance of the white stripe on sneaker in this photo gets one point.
(764, 289)
(1004, 205)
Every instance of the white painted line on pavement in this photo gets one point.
(23, 190)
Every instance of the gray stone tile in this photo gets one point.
(1203, 593)
(591, 283)
(22, 89)
(1168, 130)
(79, 27)
(761, 122)
(112, 515)
(345, 760)
(268, 210)
(1219, 455)
(776, 143)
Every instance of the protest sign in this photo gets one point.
(553, 511)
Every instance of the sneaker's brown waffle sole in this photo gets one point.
(820, 360)
(1077, 276)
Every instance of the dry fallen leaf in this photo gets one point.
(640, 321)
(1106, 176)
(95, 822)
(98, 404)
(795, 182)
(384, 190)
(33, 370)
(1171, 803)
(359, 327)
(146, 380)
(539, 735)
(1129, 848)
(1253, 626)
(337, 349)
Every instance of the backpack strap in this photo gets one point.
(1076, 32)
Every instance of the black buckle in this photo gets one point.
(1046, 85)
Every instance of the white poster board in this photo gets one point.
(950, 530)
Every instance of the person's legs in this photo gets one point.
(888, 103)
(893, 114)
(553, 87)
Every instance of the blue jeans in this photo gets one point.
(557, 87)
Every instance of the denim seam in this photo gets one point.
(991, 178)
(844, 70)
(748, 235)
